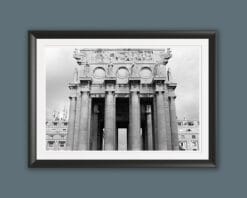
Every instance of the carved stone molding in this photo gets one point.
(111, 56)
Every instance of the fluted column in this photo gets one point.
(134, 136)
(71, 123)
(161, 122)
(149, 128)
(110, 119)
(83, 139)
(174, 127)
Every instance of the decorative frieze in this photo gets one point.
(89, 56)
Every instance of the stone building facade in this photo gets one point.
(188, 134)
(127, 93)
(56, 134)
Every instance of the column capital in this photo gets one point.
(158, 80)
(111, 80)
(85, 84)
(172, 96)
(73, 89)
(134, 83)
(159, 91)
(171, 85)
(110, 92)
(134, 79)
(110, 83)
(135, 91)
(71, 97)
(84, 91)
(159, 84)
(85, 79)
(73, 85)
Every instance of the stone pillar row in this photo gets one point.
(165, 129)
(78, 135)
(157, 133)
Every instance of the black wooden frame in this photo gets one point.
(32, 158)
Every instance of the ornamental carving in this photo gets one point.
(134, 70)
(110, 56)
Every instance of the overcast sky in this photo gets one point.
(184, 65)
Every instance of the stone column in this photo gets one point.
(174, 127)
(95, 127)
(134, 136)
(110, 115)
(154, 117)
(77, 121)
(89, 120)
(56, 145)
(71, 123)
(168, 122)
(110, 119)
(83, 139)
(149, 130)
(161, 122)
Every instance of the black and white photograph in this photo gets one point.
(122, 99)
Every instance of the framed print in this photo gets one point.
(122, 98)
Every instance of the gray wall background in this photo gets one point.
(228, 180)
